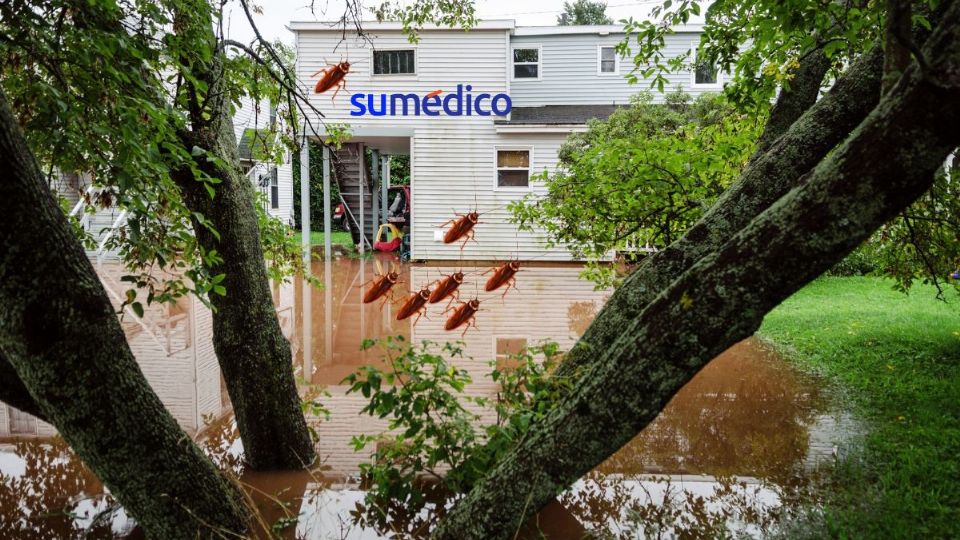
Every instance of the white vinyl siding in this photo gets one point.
(570, 65)
(452, 158)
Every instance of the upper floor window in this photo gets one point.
(394, 62)
(526, 63)
(607, 58)
(513, 168)
(705, 73)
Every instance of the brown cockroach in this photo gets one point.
(333, 75)
(465, 313)
(462, 228)
(415, 303)
(380, 286)
(503, 274)
(447, 287)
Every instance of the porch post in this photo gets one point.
(385, 186)
(326, 203)
(375, 169)
(305, 202)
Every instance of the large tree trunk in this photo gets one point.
(60, 334)
(769, 176)
(254, 355)
(887, 163)
(13, 392)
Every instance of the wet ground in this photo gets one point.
(733, 450)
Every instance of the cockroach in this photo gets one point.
(465, 313)
(462, 228)
(447, 287)
(503, 274)
(415, 303)
(380, 286)
(333, 75)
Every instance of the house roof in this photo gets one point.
(373, 26)
(486, 24)
(558, 114)
(252, 142)
(599, 29)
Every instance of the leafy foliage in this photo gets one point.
(758, 42)
(641, 177)
(923, 243)
(440, 441)
(414, 15)
(583, 12)
(97, 92)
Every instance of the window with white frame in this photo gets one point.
(513, 168)
(526, 63)
(607, 60)
(394, 62)
(508, 349)
(274, 189)
(705, 73)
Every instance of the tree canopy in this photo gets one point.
(584, 12)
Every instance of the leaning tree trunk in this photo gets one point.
(888, 162)
(13, 392)
(254, 355)
(60, 334)
(769, 176)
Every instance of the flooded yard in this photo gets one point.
(733, 450)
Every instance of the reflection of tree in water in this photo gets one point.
(45, 501)
(747, 413)
(581, 314)
(628, 507)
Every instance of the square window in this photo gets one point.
(507, 350)
(526, 63)
(396, 62)
(513, 168)
(705, 73)
(608, 60)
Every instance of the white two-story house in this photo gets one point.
(479, 113)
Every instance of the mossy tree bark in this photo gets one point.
(60, 334)
(14, 392)
(889, 160)
(254, 355)
(769, 176)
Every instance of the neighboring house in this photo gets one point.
(253, 127)
(555, 79)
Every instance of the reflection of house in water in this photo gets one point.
(173, 346)
(538, 310)
(746, 414)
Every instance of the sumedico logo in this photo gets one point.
(459, 103)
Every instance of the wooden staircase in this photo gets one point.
(352, 174)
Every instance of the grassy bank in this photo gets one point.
(336, 238)
(898, 359)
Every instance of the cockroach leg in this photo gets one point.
(472, 322)
(512, 282)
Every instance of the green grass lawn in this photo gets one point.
(337, 238)
(897, 359)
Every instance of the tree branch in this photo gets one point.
(766, 179)
(723, 297)
(793, 101)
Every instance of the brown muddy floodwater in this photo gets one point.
(733, 451)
